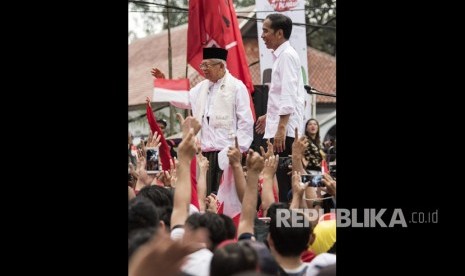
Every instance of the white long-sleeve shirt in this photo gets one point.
(216, 139)
(287, 92)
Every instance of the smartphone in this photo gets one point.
(312, 180)
(265, 219)
(153, 164)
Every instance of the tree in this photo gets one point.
(321, 16)
(147, 17)
(177, 17)
(320, 19)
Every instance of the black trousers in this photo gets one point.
(284, 179)
(214, 172)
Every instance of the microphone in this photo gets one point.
(308, 88)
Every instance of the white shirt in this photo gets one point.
(287, 92)
(198, 262)
(216, 139)
(320, 261)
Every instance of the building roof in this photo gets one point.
(152, 51)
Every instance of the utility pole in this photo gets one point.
(170, 66)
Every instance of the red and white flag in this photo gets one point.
(165, 90)
(228, 199)
(324, 167)
(213, 23)
(230, 204)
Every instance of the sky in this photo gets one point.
(136, 24)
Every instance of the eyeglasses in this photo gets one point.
(204, 66)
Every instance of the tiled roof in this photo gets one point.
(152, 51)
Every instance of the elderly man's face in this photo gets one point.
(213, 69)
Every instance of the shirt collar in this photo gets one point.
(281, 48)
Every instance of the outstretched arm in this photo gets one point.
(234, 155)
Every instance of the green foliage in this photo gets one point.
(176, 17)
(323, 13)
(320, 14)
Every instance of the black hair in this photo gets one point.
(141, 213)
(163, 122)
(233, 258)
(213, 222)
(163, 200)
(138, 237)
(281, 21)
(289, 240)
(229, 226)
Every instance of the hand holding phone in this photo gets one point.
(152, 164)
(312, 180)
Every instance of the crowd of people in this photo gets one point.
(177, 226)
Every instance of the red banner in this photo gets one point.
(213, 23)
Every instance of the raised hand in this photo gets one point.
(330, 184)
(269, 151)
(254, 162)
(161, 256)
(271, 164)
(187, 123)
(300, 143)
(212, 203)
(157, 73)
(187, 149)
(234, 154)
(153, 140)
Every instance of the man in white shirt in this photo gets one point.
(221, 104)
(286, 95)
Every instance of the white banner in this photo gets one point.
(295, 9)
(298, 37)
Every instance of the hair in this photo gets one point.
(229, 226)
(233, 258)
(281, 21)
(141, 213)
(213, 223)
(163, 122)
(217, 60)
(163, 200)
(289, 241)
(317, 136)
(138, 237)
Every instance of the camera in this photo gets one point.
(312, 180)
(152, 164)
(284, 163)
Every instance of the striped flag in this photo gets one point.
(228, 199)
(165, 90)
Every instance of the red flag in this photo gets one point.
(194, 198)
(172, 90)
(166, 90)
(214, 23)
(165, 155)
(324, 167)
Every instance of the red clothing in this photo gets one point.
(307, 256)
(275, 194)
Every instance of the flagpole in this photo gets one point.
(170, 66)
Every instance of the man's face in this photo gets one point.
(270, 36)
(162, 127)
(212, 69)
